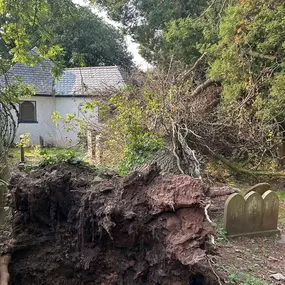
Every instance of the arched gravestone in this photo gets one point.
(253, 212)
(260, 188)
(234, 214)
(252, 215)
(271, 207)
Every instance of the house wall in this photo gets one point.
(67, 106)
(45, 128)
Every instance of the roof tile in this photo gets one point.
(74, 81)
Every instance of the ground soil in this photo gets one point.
(247, 259)
(70, 226)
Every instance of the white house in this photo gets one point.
(75, 86)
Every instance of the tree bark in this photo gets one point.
(202, 87)
(221, 191)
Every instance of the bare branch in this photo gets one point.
(188, 72)
(202, 87)
(260, 55)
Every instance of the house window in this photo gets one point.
(28, 112)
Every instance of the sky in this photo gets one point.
(133, 47)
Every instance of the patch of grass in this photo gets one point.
(264, 252)
(35, 154)
(281, 195)
(242, 278)
(222, 234)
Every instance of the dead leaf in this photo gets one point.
(278, 276)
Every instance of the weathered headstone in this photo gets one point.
(260, 188)
(234, 214)
(254, 209)
(271, 207)
(252, 215)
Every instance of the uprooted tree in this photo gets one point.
(71, 226)
(226, 101)
(172, 119)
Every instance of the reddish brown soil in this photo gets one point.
(71, 228)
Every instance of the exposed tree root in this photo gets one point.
(71, 228)
(4, 273)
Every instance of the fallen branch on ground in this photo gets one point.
(239, 169)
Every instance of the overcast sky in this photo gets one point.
(132, 46)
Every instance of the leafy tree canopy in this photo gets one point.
(87, 40)
(147, 19)
(59, 29)
(249, 58)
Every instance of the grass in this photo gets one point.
(35, 154)
(241, 278)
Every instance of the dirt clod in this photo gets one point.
(70, 227)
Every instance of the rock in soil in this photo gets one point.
(70, 228)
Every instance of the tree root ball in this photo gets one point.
(71, 227)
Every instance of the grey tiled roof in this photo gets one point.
(74, 81)
(88, 80)
(38, 75)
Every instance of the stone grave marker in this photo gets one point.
(271, 207)
(259, 188)
(252, 215)
(234, 214)
(253, 212)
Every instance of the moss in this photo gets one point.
(281, 196)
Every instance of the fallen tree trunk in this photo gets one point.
(239, 169)
(72, 228)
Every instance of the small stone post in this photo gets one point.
(98, 149)
(91, 144)
(22, 152)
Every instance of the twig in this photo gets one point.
(174, 149)
(3, 182)
(187, 73)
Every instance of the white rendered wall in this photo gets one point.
(52, 134)
(67, 106)
(44, 126)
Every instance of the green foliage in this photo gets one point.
(222, 234)
(66, 157)
(21, 20)
(264, 252)
(154, 16)
(241, 278)
(182, 39)
(140, 146)
(25, 140)
(90, 111)
(132, 126)
(281, 195)
(248, 58)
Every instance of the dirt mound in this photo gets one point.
(70, 227)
